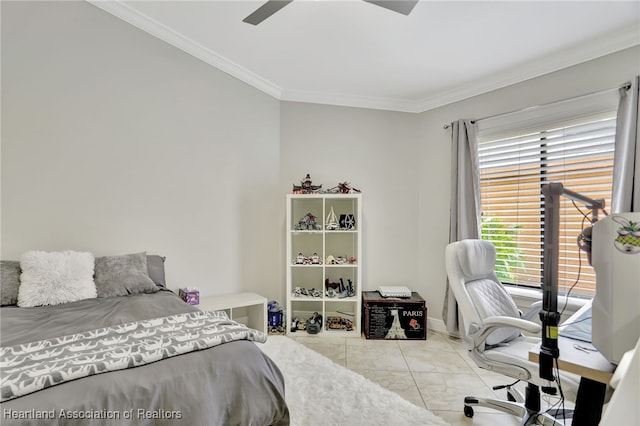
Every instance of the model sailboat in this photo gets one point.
(332, 220)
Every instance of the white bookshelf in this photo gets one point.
(344, 244)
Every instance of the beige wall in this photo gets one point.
(115, 142)
(402, 163)
(376, 152)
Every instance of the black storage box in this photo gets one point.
(392, 317)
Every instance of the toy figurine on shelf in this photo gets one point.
(344, 188)
(308, 222)
(347, 222)
(306, 186)
(331, 223)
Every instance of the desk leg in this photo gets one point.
(589, 402)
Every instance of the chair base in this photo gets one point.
(527, 409)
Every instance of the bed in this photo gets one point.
(232, 383)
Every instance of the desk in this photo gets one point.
(591, 365)
(593, 368)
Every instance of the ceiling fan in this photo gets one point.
(272, 6)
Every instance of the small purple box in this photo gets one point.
(191, 296)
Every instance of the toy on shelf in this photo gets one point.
(343, 188)
(302, 292)
(308, 222)
(306, 186)
(301, 259)
(297, 324)
(339, 323)
(340, 260)
(347, 222)
(339, 290)
(312, 326)
(331, 223)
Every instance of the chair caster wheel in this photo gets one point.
(468, 411)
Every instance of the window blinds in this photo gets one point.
(578, 152)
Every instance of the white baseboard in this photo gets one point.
(435, 324)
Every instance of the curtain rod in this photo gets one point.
(625, 86)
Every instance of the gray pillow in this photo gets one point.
(123, 275)
(9, 281)
(155, 266)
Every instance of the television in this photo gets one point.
(615, 257)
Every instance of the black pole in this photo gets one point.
(549, 315)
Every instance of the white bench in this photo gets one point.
(247, 308)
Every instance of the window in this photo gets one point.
(514, 163)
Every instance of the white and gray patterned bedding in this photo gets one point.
(215, 384)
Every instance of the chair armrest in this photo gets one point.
(490, 324)
(503, 321)
(476, 345)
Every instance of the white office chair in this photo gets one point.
(492, 333)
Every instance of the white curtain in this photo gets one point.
(465, 200)
(626, 163)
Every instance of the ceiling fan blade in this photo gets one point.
(401, 6)
(266, 10)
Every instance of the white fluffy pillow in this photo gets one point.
(53, 278)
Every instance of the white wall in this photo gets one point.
(402, 164)
(376, 152)
(116, 142)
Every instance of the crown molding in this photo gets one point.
(622, 39)
(174, 38)
(341, 99)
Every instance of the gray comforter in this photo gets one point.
(230, 384)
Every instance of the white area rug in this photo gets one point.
(320, 392)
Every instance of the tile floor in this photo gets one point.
(436, 373)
